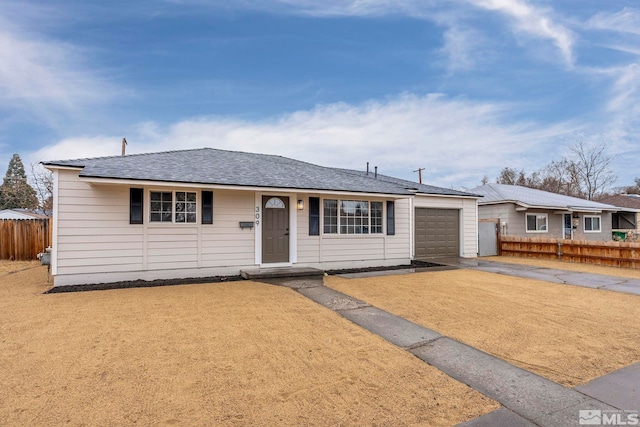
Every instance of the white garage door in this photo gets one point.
(437, 233)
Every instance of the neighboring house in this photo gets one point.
(526, 212)
(20, 214)
(628, 216)
(208, 212)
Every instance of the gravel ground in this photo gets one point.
(223, 354)
(566, 333)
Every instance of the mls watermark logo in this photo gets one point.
(590, 417)
(596, 417)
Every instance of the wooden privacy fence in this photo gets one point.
(24, 239)
(616, 254)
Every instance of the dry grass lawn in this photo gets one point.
(240, 353)
(628, 273)
(566, 333)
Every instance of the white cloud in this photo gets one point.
(533, 21)
(460, 47)
(46, 77)
(526, 19)
(626, 21)
(458, 141)
(626, 90)
(327, 8)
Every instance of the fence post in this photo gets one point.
(560, 251)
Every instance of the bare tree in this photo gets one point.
(510, 176)
(629, 189)
(593, 168)
(587, 174)
(560, 176)
(42, 181)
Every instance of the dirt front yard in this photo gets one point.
(240, 353)
(566, 333)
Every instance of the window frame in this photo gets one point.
(340, 222)
(591, 217)
(174, 210)
(536, 215)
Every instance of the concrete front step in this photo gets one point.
(278, 272)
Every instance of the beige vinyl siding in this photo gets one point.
(468, 218)
(352, 248)
(309, 247)
(343, 249)
(172, 246)
(399, 246)
(224, 243)
(95, 241)
(94, 234)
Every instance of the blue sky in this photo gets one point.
(461, 88)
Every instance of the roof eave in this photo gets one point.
(469, 196)
(54, 166)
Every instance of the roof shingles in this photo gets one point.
(222, 167)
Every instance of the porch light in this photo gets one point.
(300, 205)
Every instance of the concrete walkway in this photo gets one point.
(588, 280)
(527, 399)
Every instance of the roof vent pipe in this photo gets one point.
(124, 144)
(376, 172)
(367, 168)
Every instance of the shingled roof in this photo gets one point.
(415, 187)
(631, 201)
(234, 168)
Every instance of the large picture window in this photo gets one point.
(537, 223)
(352, 217)
(592, 224)
(163, 208)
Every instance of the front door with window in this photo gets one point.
(568, 227)
(275, 229)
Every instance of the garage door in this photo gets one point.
(437, 233)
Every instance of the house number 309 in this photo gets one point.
(257, 215)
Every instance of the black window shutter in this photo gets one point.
(314, 216)
(207, 207)
(391, 218)
(135, 205)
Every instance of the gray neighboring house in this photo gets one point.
(208, 212)
(526, 212)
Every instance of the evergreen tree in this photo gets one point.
(15, 191)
